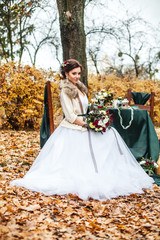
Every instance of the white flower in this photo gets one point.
(94, 100)
(155, 164)
(91, 112)
(102, 111)
(142, 162)
(101, 97)
(106, 120)
(105, 94)
(100, 123)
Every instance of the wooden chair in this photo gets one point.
(47, 124)
(149, 108)
(51, 121)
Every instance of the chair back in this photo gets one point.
(51, 122)
(142, 99)
(47, 124)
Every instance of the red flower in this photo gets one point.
(95, 123)
(100, 106)
(64, 64)
(111, 118)
(104, 129)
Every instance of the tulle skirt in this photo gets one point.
(65, 165)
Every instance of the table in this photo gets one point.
(140, 137)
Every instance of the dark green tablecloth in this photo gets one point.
(156, 179)
(140, 137)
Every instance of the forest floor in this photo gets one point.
(29, 215)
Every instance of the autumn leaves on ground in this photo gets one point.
(28, 215)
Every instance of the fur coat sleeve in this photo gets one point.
(70, 103)
(68, 108)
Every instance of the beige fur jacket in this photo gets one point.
(70, 103)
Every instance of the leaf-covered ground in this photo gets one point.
(28, 215)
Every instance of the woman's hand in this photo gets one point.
(79, 122)
(85, 125)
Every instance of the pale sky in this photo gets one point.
(147, 9)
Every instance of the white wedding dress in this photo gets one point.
(65, 165)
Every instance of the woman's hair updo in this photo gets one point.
(69, 65)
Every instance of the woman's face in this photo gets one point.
(74, 75)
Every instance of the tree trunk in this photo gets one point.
(71, 19)
(136, 69)
(21, 41)
(10, 32)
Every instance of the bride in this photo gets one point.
(67, 163)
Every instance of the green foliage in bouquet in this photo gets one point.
(148, 165)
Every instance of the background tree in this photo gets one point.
(15, 26)
(71, 19)
(23, 29)
(112, 66)
(29, 26)
(97, 39)
(150, 66)
(46, 35)
(131, 41)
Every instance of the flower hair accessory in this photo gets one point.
(64, 64)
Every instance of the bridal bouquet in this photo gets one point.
(103, 97)
(148, 165)
(98, 118)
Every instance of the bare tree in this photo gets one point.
(150, 66)
(97, 38)
(15, 26)
(131, 41)
(113, 67)
(45, 35)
